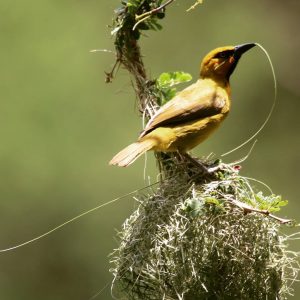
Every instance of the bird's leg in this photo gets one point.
(195, 162)
(199, 164)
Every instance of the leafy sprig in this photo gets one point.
(167, 81)
(271, 203)
(138, 16)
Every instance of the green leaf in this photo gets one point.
(166, 82)
(156, 25)
(212, 200)
(173, 78)
(283, 203)
(160, 15)
(132, 3)
(271, 203)
(194, 206)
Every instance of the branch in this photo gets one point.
(194, 6)
(153, 11)
(248, 209)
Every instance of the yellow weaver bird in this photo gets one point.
(194, 113)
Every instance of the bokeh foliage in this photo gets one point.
(60, 124)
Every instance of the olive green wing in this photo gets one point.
(198, 101)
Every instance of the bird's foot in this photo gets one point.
(206, 170)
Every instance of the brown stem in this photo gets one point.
(248, 209)
(134, 64)
(110, 75)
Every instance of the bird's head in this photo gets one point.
(221, 62)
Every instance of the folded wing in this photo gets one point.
(198, 101)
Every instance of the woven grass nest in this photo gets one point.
(198, 238)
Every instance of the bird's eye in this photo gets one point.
(223, 54)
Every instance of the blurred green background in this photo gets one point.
(60, 124)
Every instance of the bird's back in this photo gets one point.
(189, 118)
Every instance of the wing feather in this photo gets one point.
(198, 101)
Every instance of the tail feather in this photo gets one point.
(132, 152)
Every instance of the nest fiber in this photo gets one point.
(187, 240)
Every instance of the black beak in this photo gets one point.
(239, 50)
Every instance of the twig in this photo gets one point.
(143, 17)
(140, 21)
(248, 209)
(194, 5)
(153, 11)
(103, 50)
(110, 75)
